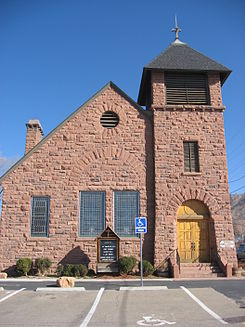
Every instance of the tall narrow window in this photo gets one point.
(126, 208)
(191, 158)
(92, 213)
(186, 88)
(39, 216)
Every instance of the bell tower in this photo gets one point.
(182, 89)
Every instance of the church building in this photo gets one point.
(74, 195)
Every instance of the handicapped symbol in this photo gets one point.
(150, 321)
(140, 223)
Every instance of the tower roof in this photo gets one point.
(179, 57)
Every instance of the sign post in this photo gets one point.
(141, 228)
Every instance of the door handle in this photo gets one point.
(193, 246)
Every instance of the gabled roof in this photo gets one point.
(180, 57)
(110, 84)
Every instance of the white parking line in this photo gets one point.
(11, 294)
(93, 308)
(202, 305)
(144, 288)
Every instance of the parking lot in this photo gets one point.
(179, 306)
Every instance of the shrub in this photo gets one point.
(147, 268)
(42, 265)
(60, 270)
(126, 264)
(23, 266)
(79, 270)
(67, 271)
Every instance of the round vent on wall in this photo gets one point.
(109, 119)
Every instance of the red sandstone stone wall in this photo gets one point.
(81, 155)
(172, 126)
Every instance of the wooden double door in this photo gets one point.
(193, 240)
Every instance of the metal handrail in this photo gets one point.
(178, 258)
(167, 258)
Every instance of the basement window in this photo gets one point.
(186, 88)
(109, 119)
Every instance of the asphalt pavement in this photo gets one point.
(232, 288)
(104, 303)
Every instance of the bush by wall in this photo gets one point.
(72, 270)
(42, 265)
(126, 264)
(147, 268)
(79, 270)
(60, 270)
(67, 271)
(23, 266)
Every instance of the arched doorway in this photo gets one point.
(193, 232)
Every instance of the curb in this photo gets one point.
(60, 289)
(87, 280)
(144, 288)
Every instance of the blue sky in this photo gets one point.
(55, 54)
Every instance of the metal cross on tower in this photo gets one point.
(176, 29)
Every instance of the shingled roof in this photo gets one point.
(180, 57)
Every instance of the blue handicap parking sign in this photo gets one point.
(140, 225)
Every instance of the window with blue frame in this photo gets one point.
(92, 213)
(126, 209)
(39, 216)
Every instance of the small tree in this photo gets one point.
(23, 266)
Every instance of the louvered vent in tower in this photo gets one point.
(186, 88)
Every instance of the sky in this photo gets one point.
(55, 54)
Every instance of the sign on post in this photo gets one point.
(140, 225)
(141, 228)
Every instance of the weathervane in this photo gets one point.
(176, 29)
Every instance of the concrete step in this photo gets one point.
(193, 275)
(200, 270)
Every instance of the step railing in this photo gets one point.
(173, 261)
(225, 266)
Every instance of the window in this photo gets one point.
(39, 216)
(191, 160)
(92, 213)
(186, 88)
(126, 208)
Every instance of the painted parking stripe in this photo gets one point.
(202, 305)
(144, 288)
(11, 294)
(93, 308)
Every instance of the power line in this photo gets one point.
(236, 180)
(238, 189)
